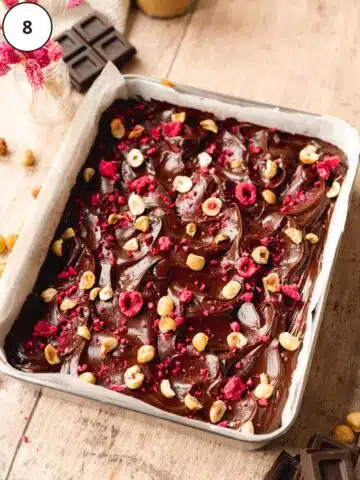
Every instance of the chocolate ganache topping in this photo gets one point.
(182, 268)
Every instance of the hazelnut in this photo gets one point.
(199, 341)
(334, 190)
(108, 345)
(48, 295)
(195, 262)
(294, 234)
(182, 184)
(145, 354)
(131, 245)
(247, 428)
(192, 403)
(191, 229)
(113, 218)
(178, 117)
(353, 420)
(68, 304)
(235, 164)
(94, 293)
(29, 159)
(288, 341)
(343, 433)
(260, 255)
(166, 324)
(270, 169)
(217, 411)
(106, 293)
(57, 247)
(3, 147)
(312, 238)
(209, 125)
(88, 174)
(204, 159)
(136, 204)
(134, 377)
(35, 192)
(117, 128)
(263, 391)
(212, 206)
(269, 197)
(2, 244)
(142, 224)
(271, 282)
(221, 237)
(11, 240)
(84, 332)
(51, 355)
(87, 377)
(236, 340)
(136, 132)
(231, 289)
(166, 390)
(87, 281)
(308, 155)
(69, 233)
(165, 306)
(2, 268)
(135, 158)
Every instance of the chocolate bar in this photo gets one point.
(323, 442)
(71, 43)
(113, 47)
(326, 464)
(92, 27)
(284, 467)
(84, 68)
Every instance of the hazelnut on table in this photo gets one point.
(29, 159)
(3, 147)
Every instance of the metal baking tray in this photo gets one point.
(138, 85)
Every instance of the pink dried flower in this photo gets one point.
(55, 51)
(4, 68)
(9, 54)
(10, 3)
(34, 74)
(42, 57)
(74, 3)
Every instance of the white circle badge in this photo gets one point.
(27, 27)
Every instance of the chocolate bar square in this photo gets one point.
(115, 48)
(322, 442)
(92, 27)
(284, 467)
(71, 43)
(84, 68)
(327, 464)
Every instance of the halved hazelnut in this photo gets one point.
(271, 282)
(135, 158)
(69, 233)
(231, 289)
(166, 390)
(204, 159)
(131, 245)
(136, 204)
(35, 192)
(343, 433)
(260, 255)
(353, 420)
(136, 132)
(235, 164)
(312, 238)
(3, 147)
(108, 345)
(236, 340)
(94, 293)
(288, 341)
(192, 403)
(11, 240)
(199, 341)
(212, 206)
(248, 428)
(2, 244)
(29, 158)
(88, 174)
(48, 295)
(308, 155)
(295, 235)
(87, 377)
(51, 355)
(68, 304)
(195, 262)
(133, 377)
(263, 391)
(142, 224)
(178, 117)
(209, 125)
(106, 293)
(145, 354)
(117, 128)
(87, 281)
(221, 237)
(334, 190)
(113, 218)
(217, 411)
(270, 169)
(166, 324)
(191, 229)
(165, 306)
(269, 197)
(84, 332)
(182, 184)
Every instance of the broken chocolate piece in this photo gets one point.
(322, 442)
(115, 48)
(327, 464)
(284, 467)
(71, 43)
(84, 68)
(92, 27)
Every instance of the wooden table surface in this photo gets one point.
(303, 54)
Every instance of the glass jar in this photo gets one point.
(54, 7)
(53, 103)
(164, 8)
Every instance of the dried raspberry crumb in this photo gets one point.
(263, 402)
(254, 148)
(234, 389)
(327, 165)
(43, 329)
(72, 271)
(108, 169)
(245, 193)
(64, 275)
(165, 244)
(186, 296)
(246, 267)
(143, 185)
(291, 291)
(130, 303)
(235, 326)
(172, 129)
(247, 297)
(25, 439)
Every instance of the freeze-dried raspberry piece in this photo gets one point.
(247, 297)
(43, 329)
(327, 165)
(143, 185)
(108, 169)
(291, 291)
(172, 129)
(130, 303)
(186, 296)
(164, 244)
(245, 193)
(234, 389)
(254, 148)
(246, 267)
